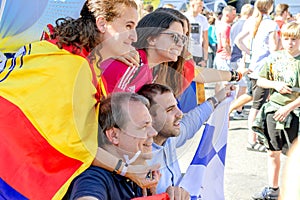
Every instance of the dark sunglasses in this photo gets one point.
(178, 37)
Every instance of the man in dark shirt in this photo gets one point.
(125, 130)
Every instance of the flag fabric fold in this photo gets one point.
(48, 121)
(23, 22)
(204, 178)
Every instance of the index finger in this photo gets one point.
(290, 90)
(170, 191)
(148, 183)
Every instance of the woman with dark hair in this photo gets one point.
(177, 73)
(160, 39)
(55, 102)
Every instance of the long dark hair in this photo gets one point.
(151, 25)
(171, 73)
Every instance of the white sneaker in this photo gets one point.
(239, 116)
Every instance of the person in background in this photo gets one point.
(237, 55)
(278, 119)
(290, 17)
(148, 9)
(198, 48)
(169, 5)
(281, 13)
(198, 45)
(264, 41)
(222, 59)
(247, 40)
(212, 40)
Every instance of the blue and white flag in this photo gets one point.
(204, 178)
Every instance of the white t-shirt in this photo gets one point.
(260, 46)
(198, 25)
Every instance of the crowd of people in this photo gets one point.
(120, 89)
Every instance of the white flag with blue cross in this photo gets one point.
(204, 178)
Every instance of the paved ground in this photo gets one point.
(245, 171)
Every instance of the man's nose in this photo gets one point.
(151, 132)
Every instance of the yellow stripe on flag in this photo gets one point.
(54, 89)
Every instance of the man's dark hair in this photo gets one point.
(151, 90)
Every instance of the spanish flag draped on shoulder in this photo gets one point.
(48, 121)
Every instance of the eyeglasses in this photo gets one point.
(178, 37)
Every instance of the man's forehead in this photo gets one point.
(138, 113)
(165, 100)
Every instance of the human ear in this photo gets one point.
(112, 135)
(101, 24)
(151, 41)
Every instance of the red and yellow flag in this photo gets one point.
(48, 121)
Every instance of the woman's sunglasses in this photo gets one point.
(177, 37)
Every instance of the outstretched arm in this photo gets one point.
(208, 75)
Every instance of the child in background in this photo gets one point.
(278, 120)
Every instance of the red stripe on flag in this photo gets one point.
(28, 162)
(162, 196)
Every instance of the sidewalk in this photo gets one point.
(245, 171)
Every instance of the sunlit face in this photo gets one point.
(166, 115)
(197, 6)
(291, 44)
(120, 33)
(137, 134)
(168, 44)
(231, 16)
(285, 14)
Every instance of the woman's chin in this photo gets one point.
(173, 58)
